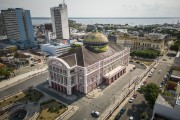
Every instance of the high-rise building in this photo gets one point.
(18, 26)
(2, 27)
(59, 16)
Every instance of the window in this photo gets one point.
(64, 72)
(80, 80)
(60, 71)
(65, 80)
(72, 80)
(72, 71)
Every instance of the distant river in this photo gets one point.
(131, 21)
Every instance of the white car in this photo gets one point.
(95, 114)
(131, 100)
(131, 118)
(139, 88)
(150, 74)
(159, 71)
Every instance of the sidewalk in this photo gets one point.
(20, 78)
(69, 113)
(102, 88)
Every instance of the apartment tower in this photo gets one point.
(59, 16)
(19, 27)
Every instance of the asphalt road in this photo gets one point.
(140, 105)
(24, 85)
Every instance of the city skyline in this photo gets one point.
(101, 8)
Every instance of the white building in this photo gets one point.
(50, 35)
(167, 108)
(55, 49)
(59, 16)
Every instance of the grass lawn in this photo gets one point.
(148, 63)
(50, 110)
(30, 94)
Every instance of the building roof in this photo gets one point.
(71, 60)
(56, 45)
(176, 73)
(21, 55)
(166, 101)
(85, 57)
(177, 60)
(2, 65)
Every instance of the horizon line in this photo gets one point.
(111, 17)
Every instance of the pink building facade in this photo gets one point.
(83, 70)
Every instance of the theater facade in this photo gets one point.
(89, 66)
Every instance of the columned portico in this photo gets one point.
(114, 74)
(69, 89)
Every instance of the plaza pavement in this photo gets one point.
(102, 88)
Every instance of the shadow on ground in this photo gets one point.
(138, 109)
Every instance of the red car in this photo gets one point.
(135, 95)
(144, 82)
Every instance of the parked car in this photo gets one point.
(164, 60)
(131, 100)
(135, 95)
(149, 75)
(121, 112)
(139, 87)
(131, 118)
(137, 62)
(95, 114)
(144, 82)
(117, 116)
(134, 67)
(159, 71)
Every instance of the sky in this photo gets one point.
(100, 8)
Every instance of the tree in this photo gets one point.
(144, 116)
(174, 47)
(6, 72)
(150, 92)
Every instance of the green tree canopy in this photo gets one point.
(144, 116)
(6, 72)
(176, 46)
(147, 53)
(150, 92)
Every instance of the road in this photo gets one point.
(140, 105)
(24, 85)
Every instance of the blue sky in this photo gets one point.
(100, 8)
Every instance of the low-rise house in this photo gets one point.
(167, 107)
(21, 60)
